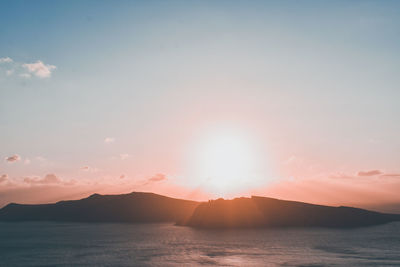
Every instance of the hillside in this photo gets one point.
(139, 207)
(269, 212)
(136, 207)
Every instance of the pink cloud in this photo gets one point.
(89, 169)
(109, 140)
(48, 179)
(124, 156)
(369, 173)
(13, 158)
(39, 69)
(394, 175)
(3, 178)
(158, 177)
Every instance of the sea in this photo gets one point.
(115, 244)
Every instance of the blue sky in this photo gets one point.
(315, 80)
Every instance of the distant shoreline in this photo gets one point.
(140, 207)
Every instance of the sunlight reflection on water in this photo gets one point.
(60, 244)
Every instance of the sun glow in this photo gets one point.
(226, 162)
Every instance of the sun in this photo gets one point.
(226, 161)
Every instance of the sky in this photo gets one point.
(201, 99)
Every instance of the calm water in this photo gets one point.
(77, 244)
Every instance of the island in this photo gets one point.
(143, 207)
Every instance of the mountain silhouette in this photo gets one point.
(136, 207)
(270, 212)
(140, 207)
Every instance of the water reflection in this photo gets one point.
(59, 244)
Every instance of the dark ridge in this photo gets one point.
(136, 207)
(269, 212)
(140, 207)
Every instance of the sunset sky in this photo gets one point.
(201, 99)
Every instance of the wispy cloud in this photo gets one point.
(5, 60)
(153, 179)
(157, 178)
(48, 179)
(9, 72)
(124, 156)
(25, 75)
(109, 140)
(369, 173)
(40, 158)
(39, 69)
(89, 169)
(3, 178)
(13, 158)
(341, 175)
(394, 175)
(365, 174)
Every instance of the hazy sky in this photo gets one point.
(116, 96)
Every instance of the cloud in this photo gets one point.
(27, 161)
(13, 158)
(39, 69)
(124, 156)
(48, 179)
(3, 178)
(391, 175)
(89, 169)
(369, 173)
(122, 176)
(70, 182)
(27, 70)
(365, 174)
(40, 158)
(153, 179)
(340, 175)
(25, 75)
(157, 178)
(109, 140)
(5, 60)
